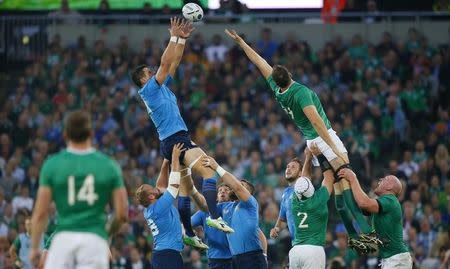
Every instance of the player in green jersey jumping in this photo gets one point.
(310, 211)
(304, 108)
(387, 218)
(81, 181)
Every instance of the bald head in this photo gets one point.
(389, 184)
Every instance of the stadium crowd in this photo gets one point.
(389, 102)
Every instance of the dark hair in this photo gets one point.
(297, 160)
(281, 76)
(136, 75)
(252, 187)
(77, 126)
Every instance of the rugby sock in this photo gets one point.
(350, 203)
(184, 208)
(209, 191)
(345, 215)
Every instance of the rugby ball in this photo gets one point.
(192, 12)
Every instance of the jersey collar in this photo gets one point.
(79, 151)
(290, 86)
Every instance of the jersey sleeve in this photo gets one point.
(45, 174)
(16, 244)
(384, 204)
(117, 178)
(168, 80)
(197, 219)
(272, 83)
(303, 97)
(150, 91)
(163, 204)
(322, 196)
(251, 203)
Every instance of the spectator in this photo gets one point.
(373, 15)
(217, 50)
(24, 201)
(266, 46)
(408, 166)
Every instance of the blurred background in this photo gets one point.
(381, 69)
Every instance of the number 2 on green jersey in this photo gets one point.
(86, 192)
(302, 221)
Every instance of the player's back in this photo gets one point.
(82, 183)
(162, 107)
(311, 218)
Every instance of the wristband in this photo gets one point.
(181, 41)
(173, 39)
(174, 178)
(221, 171)
(324, 164)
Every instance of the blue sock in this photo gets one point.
(210, 193)
(184, 208)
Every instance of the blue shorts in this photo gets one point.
(165, 259)
(250, 260)
(220, 263)
(168, 143)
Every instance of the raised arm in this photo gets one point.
(307, 167)
(241, 192)
(169, 55)
(364, 202)
(254, 57)
(185, 33)
(327, 171)
(163, 178)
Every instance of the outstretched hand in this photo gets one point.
(186, 29)
(180, 27)
(234, 36)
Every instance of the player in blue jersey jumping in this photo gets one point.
(245, 244)
(162, 107)
(293, 171)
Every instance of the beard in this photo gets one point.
(291, 179)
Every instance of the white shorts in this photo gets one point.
(307, 257)
(77, 250)
(399, 261)
(325, 148)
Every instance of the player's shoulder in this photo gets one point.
(56, 157)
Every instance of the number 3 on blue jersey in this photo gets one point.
(153, 227)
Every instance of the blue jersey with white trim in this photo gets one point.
(162, 107)
(164, 222)
(286, 210)
(243, 217)
(215, 239)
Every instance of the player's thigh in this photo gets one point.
(85, 259)
(62, 251)
(313, 257)
(399, 261)
(192, 158)
(295, 257)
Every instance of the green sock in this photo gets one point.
(356, 212)
(345, 215)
